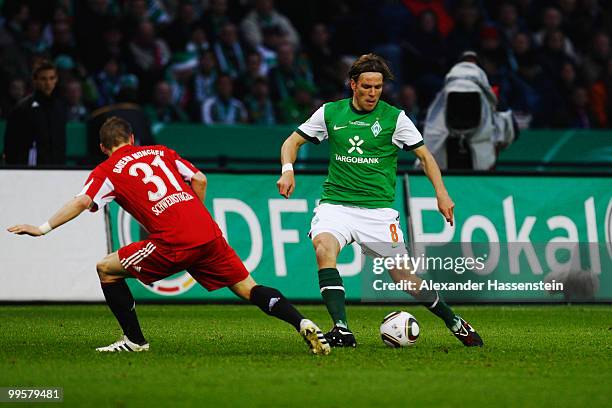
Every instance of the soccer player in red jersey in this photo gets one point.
(150, 182)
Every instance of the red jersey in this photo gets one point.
(149, 182)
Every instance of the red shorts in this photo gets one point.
(214, 265)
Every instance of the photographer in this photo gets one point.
(463, 129)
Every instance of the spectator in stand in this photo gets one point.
(259, 105)
(63, 42)
(510, 23)
(128, 90)
(229, 52)
(512, 92)
(552, 54)
(390, 24)
(560, 98)
(595, 64)
(156, 11)
(91, 18)
(551, 111)
(581, 115)
(601, 97)
(214, 18)
(163, 110)
(552, 20)
(137, 11)
(114, 45)
(344, 16)
(300, 106)
(73, 95)
(524, 59)
(198, 42)
(149, 56)
(437, 8)
(525, 80)
(246, 81)
(33, 42)
(262, 16)
(286, 74)
(36, 129)
(224, 108)
(13, 59)
(16, 92)
(180, 77)
(589, 16)
(17, 16)
(569, 17)
(134, 14)
(272, 39)
(205, 78)
(108, 82)
(407, 101)
(68, 70)
(60, 15)
(426, 48)
(389, 94)
(567, 84)
(426, 51)
(324, 61)
(466, 33)
(178, 33)
(491, 48)
(149, 53)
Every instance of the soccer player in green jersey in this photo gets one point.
(365, 135)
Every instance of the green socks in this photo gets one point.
(431, 299)
(333, 295)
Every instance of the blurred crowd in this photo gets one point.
(266, 62)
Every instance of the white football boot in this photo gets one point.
(313, 336)
(123, 344)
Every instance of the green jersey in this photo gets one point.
(363, 151)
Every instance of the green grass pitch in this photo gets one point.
(234, 355)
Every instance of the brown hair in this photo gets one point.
(114, 132)
(43, 65)
(370, 63)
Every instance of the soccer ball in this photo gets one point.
(399, 329)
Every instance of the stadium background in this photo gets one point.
(547, 60)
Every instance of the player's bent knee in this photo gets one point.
(326, 258)
(321, 251)
(104, 270)
(328, 240)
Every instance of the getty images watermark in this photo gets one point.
(487, 272)
(458, 265)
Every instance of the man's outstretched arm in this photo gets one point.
(198, 185)
(70, 210)
(289, 151)
(432, 171)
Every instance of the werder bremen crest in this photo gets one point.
(376, 128)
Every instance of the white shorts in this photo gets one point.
(376, 230)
